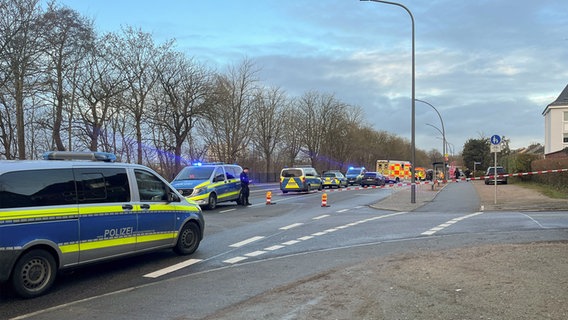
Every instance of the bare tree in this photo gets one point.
(69, 36)
(140, 59)
(99, 86)
(21, 50)
(183, 89)
(229, 119)
(270, 104)
(319, 113)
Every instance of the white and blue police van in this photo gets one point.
(210, 183)
(77, 208)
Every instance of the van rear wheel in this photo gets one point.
(34, 273)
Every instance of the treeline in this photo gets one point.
(65, 87)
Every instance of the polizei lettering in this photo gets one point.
(118, 232)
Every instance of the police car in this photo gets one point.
(299, 179)
(63, 214)
(210, 183)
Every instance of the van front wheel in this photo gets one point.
(188, 239)
(34, 273)
(212, 201)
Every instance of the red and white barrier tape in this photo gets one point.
(390, 185)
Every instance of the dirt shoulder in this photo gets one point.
(520, 281)
(513, 197)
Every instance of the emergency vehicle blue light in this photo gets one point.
(351, 168)
(197, 164)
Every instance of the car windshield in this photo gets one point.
(499, 170)
(370, 175)
(195, 173)
(329, 174)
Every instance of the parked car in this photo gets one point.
(373, 179)
(210, 183)
(354, 175)
(334, 179)
(490, 175)
(300, 179)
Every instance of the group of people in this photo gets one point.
(457, 173)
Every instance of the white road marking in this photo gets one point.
(245, 242)
(342, 210)
(255, 253)
(305, 238)
(291, 242)
(170, 269)
(318, 234)
(331, 230)
(235, 260)
(272, 248)
(448, 223)
(228, 210)
(320, 217)
(291, 226)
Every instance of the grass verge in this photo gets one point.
(547, 190)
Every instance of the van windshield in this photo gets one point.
(354, 171)
(195, 173)
(291, 173)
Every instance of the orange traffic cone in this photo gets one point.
(269, 197)
(324, 200)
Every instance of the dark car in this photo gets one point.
(332, 179)
(354, 175)
(373, 179)
(490, 175)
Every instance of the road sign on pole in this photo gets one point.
(495, 139)
(495, 147)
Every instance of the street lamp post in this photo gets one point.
(443, 132)
(413, 127)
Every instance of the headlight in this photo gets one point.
(198, 191)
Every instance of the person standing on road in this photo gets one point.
(245, 187)
(457, 173)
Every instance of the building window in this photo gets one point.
(565, 140)
(565, 117)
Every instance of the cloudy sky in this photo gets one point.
(488, 66)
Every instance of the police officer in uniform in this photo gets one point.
(245, 187)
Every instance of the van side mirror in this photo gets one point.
(173, 197)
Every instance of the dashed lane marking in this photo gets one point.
(228, 210)
(170, 269)
(275, 247)
(342, 210)
(245, 242)
(235, 260)
(300, 239)
(255, 253)
(294, 225)
(448, 223)
(320, 217)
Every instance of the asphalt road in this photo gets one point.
(250, 250)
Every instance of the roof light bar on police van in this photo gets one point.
(71, 155)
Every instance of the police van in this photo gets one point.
(210, 183)
(300, 179)
(85, 208)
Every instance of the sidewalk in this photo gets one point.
(399, 200)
